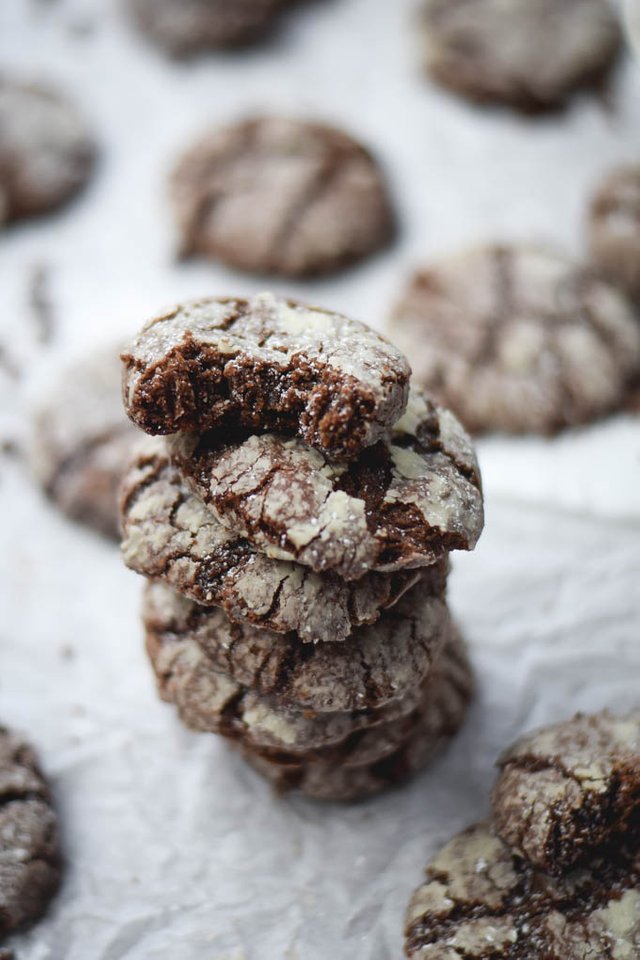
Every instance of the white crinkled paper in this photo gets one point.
(174, 847)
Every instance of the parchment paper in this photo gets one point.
(174, 848)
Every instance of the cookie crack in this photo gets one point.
(285, 666)
(193, 234)
(432, 443)
(330, 169)
(595, 323)
(274, 606)
(150, 471)
(503, 267)
(531, 763)
(17, 795)
(232, 714)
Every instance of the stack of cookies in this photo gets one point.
(295, 525)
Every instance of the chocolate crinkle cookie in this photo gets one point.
(188, 27)
(519, 340)
(372, 760)
(82, 442)
(481, 901)
(563, 790)
(529, 54)
(265, 364)
(405, 502)
(556, 874)
(46, 152)
(29, 854)
(304, 494)
(380, 663)
(281, 196)
(209, 700)
(170, 534)
(614, 229)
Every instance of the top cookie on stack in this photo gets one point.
(266, 364)
(313, 470)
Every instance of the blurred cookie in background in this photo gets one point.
(528, 54)
(614, 228)
(188, 27)
(518, 340)
(30, 862)
(46, 150)
(280, 196)
(82, 442)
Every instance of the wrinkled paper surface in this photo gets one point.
(174, 848)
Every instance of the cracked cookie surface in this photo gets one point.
(482, 902)
(378, 664)
(614, 229)
(210, 701)
(82, 442)
(518, 340)
(563, 790)
(169, 534)
(529, 54)
(46, 153)
(405, 502)
(280, 196)
(188, 27)
(265, 364)
(29, 855)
